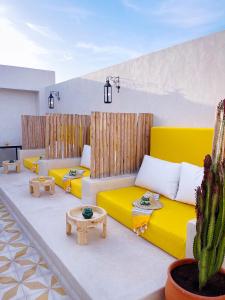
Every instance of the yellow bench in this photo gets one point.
(76, 184)
(167, 226)
(29, 163)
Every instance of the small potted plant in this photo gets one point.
(203, 278)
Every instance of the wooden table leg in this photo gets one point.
(52, 188)
(36, 190)
(31, 189)
(5, 169)
(47, 188)
(104, 229)
(18, 168)
(82, 234)
(68, 228)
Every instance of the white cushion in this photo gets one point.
(159, 176)
(86, 157)
(190, 178)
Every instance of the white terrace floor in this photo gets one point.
(122, 266)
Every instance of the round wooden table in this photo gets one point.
(6, 164)
(74, 217)
(47, 182)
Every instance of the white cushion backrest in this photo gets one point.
(190, 178)
(86, 157)
(159, 176)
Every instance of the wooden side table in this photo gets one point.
(74, 217)
(47, 182)
(6, 164)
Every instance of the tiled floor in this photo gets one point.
(24, 275)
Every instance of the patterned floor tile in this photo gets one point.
(24, 275)
(12, 291)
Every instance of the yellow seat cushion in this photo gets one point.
(76, 184)
(167, 227)
(28, 162)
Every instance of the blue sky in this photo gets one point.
(76, 37)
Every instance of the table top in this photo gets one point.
(42, 179)
(7, 162)
(76, 213)
(11, 146)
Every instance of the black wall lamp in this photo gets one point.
(51, 99)
(108, 88)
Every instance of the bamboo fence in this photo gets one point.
(33, 132)
(66, 135)
(118, 142)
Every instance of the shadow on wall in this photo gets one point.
(172, 109)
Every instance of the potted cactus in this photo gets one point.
(203, 277)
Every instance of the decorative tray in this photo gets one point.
(72, 177)
(154, 204)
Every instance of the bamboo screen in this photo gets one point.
(118, 142)
(66, 135)
(33, 132)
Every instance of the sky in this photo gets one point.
(75, 37)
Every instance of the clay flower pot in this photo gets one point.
(174, 292)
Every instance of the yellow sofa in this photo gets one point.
(76, 184)
(29, 163)
(167, 226)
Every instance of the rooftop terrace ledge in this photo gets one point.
(118, 267)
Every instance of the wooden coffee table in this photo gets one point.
(46, 182)
(74, 217)
(6, 164)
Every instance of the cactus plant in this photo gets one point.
(209, 242)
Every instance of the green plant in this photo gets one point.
(209, 242)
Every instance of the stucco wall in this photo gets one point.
(12, 105)
(25, 78)
(19, 94)
(181, 85)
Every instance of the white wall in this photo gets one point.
(20, 89)
(12, 105)
(25, 78)
(181, 85)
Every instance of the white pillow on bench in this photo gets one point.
(190, 178)
(86, 157)
(159, 176)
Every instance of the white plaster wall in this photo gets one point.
(20, 92)
(181, 85)
(25, 78)
(13, 104)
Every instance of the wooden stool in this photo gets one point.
(6, 164)
(74, 217)
(47, 182)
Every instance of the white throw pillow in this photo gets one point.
(86, 157)
(159, 176)
(190, 178)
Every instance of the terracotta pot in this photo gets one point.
(174, 292)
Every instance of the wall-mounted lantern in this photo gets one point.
(51, 99)
(108, 88)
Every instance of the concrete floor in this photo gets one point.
(122, 266)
